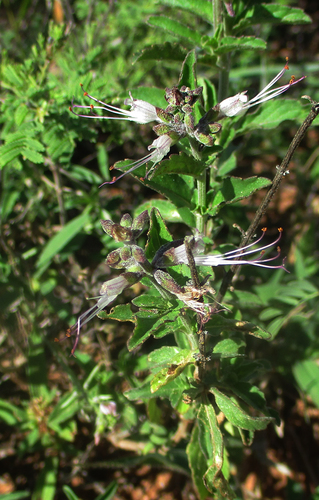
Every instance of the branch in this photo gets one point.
(281, 172)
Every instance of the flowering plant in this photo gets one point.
(180, 298)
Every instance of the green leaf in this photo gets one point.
(181, 164)
(236, 415)
(226, 165)
(11, 414)
(202, 8)
(62, 238)
(158, 234)
(220, 324)
(212, 446)
(165, 52)
(109, 492)
(175, 28)
(66, 408)
(148, 323)
(230, 43)
(177, 364)
(17, 495)
(162, 356)
(228, 348)
(11, 75)
(271, 114)
(179, 190)
(37, 367)
(172, 391)
(307, 376)
(69, 493)
(146, 301)
(46, 483)
(34, 156)
(197, 463)
(271, 14)
(10, 151)
(234, 189)
(122, 312)
(187, 75)
(168, 211)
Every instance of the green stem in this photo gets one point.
(217, 13)
(201, 203)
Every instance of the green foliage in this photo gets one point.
(178, 346)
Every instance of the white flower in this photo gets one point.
(109, 291)
(161, 147)
(238, 103)
(233, 257)
(141, 111)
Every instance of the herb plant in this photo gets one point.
(192, 328)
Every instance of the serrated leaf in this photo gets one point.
(236, 415)
(180, 164)
(179, 190)
(163, 355)
(169, 211)
(230, 43)
(148, 323)
(271, 14)
(272, 113)
(212, 446)
(147, 301)
(172, 391)
(178, 362)
(228, 347)
(175, 28)
(158, 234)
(202, 8)
(165, 52)
(188, 75)
(197, 464)
(233, 189)
(122, 312)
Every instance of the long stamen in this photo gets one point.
(135, 165)
(141, 111)
(238, 250)
(234, 257)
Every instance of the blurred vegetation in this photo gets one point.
(61, 437)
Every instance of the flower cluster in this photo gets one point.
(177, 119)
(132, 259)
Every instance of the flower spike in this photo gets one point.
(238, 103)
